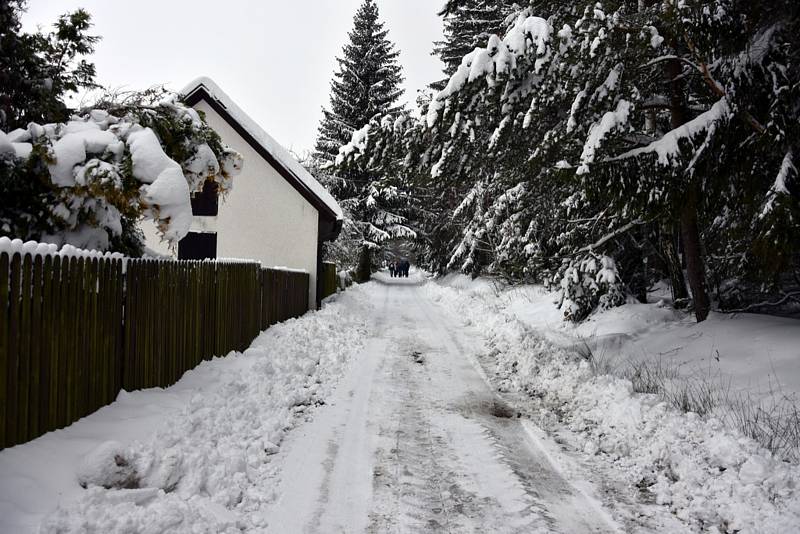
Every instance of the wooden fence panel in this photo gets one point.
(75, 331)
(13, 350)
(329, 279)
(90, 361)
(34, 365)
(53, 334)
(24, 360)
(44, 303)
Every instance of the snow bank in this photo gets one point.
(709, 476)
(194, 457)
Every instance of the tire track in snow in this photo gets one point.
(325, 480)
(410, 443)
(451, 478)
(562, 506)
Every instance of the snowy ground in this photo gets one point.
(402, 406)
(756, 354)
(201, 450)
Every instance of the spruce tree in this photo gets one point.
(366, 83)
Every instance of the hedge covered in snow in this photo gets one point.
(87, 182)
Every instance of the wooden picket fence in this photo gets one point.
(76, 331)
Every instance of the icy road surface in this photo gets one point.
(416, 440)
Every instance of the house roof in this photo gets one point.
(206, 89)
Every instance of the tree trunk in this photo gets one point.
(364, 272)
(693, 255)
(690, 231)
(669, 249)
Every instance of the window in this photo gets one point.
(205, 203)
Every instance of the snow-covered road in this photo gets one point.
(416, 440)
(402, 406)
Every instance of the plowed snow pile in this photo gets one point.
(194, 457)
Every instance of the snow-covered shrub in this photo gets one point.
(588, 284)
(88, 181)
(109, 465)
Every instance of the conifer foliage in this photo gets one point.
(366, 83)
(468, 24)
(661, 135)
(38, 70)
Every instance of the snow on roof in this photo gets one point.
(265, 140)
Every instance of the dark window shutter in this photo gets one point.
(197, 246)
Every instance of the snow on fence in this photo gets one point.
(74, 331)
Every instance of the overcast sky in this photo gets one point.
(275, 58)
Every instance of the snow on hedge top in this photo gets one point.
(167, 187)
(86, 161)
(265, 140)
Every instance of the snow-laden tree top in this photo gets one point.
(108, 167)
(366, 82)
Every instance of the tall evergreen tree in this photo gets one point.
(366, 83)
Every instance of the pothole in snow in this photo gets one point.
(502, 410)
(493, 407)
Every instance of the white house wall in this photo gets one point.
(263, 218)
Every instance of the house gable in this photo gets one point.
(330, 215)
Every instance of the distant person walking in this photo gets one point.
(404, 268)
(392, 269)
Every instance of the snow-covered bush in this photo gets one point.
(88, 181)
(588, 284)
(109, 465)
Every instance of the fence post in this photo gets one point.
(64, 294)
(4, 347)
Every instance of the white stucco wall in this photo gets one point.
(263, 218)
